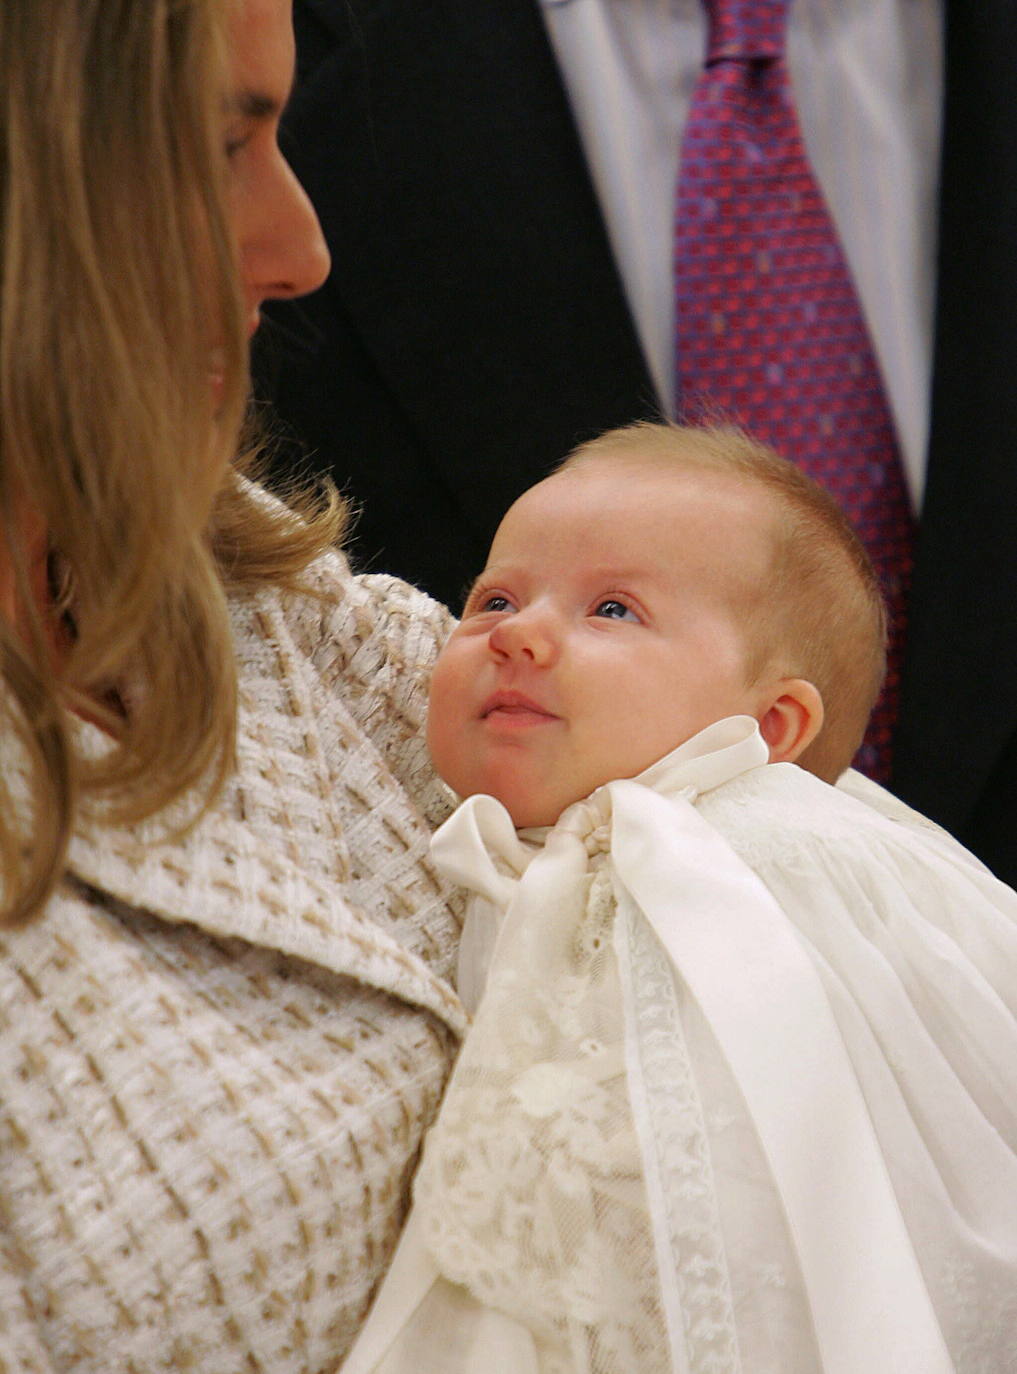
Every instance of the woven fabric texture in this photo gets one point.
(221, 1051)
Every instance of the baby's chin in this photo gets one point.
(527, 813)
(535, 818)
(534, 796)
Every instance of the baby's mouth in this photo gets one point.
(514, 706)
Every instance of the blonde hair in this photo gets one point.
(821, 614)
(115, 255)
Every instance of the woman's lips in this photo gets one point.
(217, 360)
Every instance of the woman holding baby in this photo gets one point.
(227, 987)
(224, 983)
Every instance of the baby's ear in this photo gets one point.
(792, 719)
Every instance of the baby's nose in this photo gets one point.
(527, 634)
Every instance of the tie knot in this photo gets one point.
(746, 28)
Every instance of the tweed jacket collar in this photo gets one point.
(292, 856)
(221, 879)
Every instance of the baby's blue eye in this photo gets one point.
(615, 610)
(495, 603)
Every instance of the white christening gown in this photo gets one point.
(740, 1095)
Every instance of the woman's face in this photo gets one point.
(282, 251)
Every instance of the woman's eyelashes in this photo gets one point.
(235, 140)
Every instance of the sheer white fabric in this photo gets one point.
(739, 1095)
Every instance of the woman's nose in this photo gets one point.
(283, 252)
(528, 634)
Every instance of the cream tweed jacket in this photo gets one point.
(219, 1053)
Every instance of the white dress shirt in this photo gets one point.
(868, 81)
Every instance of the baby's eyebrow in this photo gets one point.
(494, 572)
(466, 595)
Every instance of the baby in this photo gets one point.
(741, 1089)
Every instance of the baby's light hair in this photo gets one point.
(821, 614)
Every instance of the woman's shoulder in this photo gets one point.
(370, 628)
(327, 604)
(353, 654)
(368, 632)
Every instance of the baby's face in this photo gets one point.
(610, 625)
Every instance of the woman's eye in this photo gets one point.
(615, 610)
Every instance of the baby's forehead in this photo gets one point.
(639, 511)
(684, 471)
(645, 489)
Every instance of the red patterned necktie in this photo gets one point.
(770, 333)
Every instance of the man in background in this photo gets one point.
(495, 181)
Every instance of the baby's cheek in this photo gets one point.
(446, 720)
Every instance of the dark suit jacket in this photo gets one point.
(474, 328)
